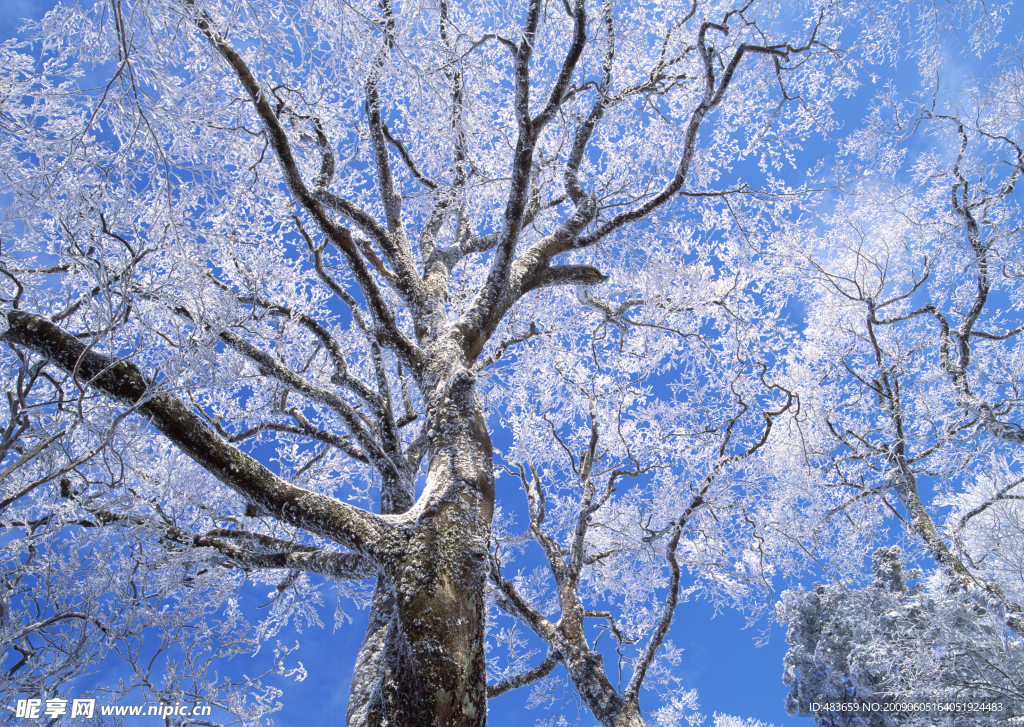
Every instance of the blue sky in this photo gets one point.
(721, 661)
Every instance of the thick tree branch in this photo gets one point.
(572, 57)
(124, 382)
(264, 551)
(583, 134)
(481, 309)
(511, 601)
(585, 510)
(395, 245)
(335, 566)
(312, 202)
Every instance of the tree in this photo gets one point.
(914, 354)
(891, 646)
(325, 251)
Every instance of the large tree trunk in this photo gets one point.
(422, 661)
(366, 674)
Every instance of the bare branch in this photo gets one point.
(642, 664)
(527, 677)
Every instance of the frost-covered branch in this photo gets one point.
(523, 679)
(124, 382)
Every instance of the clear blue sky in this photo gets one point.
(721, 661)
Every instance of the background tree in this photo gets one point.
(326, 251)
(914, 352)
(893, 644)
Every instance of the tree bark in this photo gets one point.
(422, 661)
